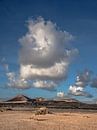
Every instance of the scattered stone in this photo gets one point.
(42, 111)
(2, 110)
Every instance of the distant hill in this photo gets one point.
(66, 100)
(19, 98)
(57, 103)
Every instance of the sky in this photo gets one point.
(48, 48)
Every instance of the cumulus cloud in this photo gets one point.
(60, 94)
(45, 55)
(78, 91)
(83, 79)
(15, 81)
(55, 72)
(49, 85)
(44, 44)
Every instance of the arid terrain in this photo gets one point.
(27, 120)
(23, 113)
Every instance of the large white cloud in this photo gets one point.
(56, 72)
(45, 55)
(44, 44)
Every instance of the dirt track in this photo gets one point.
(17, 120)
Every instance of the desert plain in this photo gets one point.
(67, 120)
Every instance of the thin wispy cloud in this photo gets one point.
(4, 64)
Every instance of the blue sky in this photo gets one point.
(79, 18)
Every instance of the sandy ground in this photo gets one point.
(19, 120)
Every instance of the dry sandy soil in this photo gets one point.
(19, 120)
